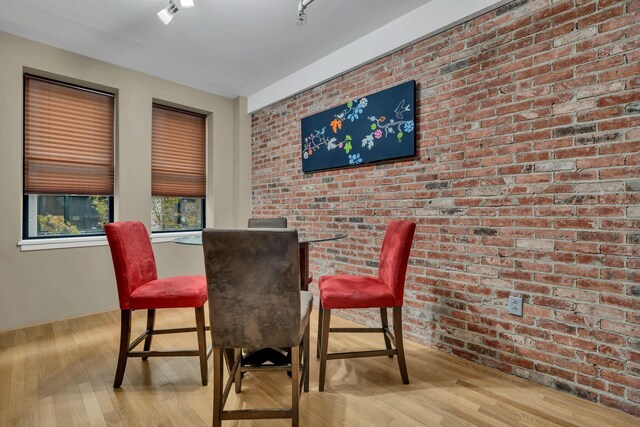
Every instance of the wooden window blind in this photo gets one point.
(68, 137)
(178, 153)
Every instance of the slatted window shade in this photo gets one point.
(68, 139)
(178, 153)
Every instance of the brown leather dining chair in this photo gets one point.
(279, 222)
(255, 301)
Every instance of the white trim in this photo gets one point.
(62, 243)
(89, 241)
(423, 22)
(173, 235)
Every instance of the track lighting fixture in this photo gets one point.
(302, 17)
(166, 14)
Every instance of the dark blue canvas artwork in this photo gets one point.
(370, 129)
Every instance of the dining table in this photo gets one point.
(304, 245)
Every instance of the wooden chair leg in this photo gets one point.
(125, 336)
(151, 319)
(218, 377)
(385, 326)
(319, 341)
(237, 379)
(324, 347)
(295, 386)
(307, 350)
(397, 329)
(202, 345)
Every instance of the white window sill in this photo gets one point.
(88, 241)
(171, 236)
(62, 243)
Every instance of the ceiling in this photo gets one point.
(228, 47)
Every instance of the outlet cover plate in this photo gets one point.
(515, 306)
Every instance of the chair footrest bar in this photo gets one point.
(163, 353)
(377, 330)
(176, 330)
(138, 340)
(252, 414)
(391, 337)
(146, 333)
(367, 353)
(255, 368)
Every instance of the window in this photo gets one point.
(68, 159)
(178, 171)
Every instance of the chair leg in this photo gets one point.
(324, 347)
(151, 319)
(125, 336)
(295, 386)
(307, 345)
(397, 328)
(319, 341)
(218, 378)
(385, 326)
(237, 379)
(202, 345)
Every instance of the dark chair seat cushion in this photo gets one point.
(172, 292)
(344, 291)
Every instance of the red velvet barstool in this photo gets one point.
(384, 291)
(140, 289)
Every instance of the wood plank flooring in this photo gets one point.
(61, 374)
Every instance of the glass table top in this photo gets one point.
(197, 240)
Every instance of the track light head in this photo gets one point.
(186, 3)
(302, 19)
(166, 14)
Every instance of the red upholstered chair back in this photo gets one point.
(394, 256)
(132, 256)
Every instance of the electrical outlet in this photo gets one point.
(515, 306)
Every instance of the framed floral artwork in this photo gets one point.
(374, 128)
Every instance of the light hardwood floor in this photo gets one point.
(62, 374)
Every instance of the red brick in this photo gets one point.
(627, 302)
(523, 184)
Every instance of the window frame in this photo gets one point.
(25, 217)
(26, 240)
(169, 235)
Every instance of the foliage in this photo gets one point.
(55, 224)
(175, 213)
(164, 213)
(101, 205)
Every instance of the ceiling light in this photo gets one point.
(166, 14)
(186, 3)
(302, 17)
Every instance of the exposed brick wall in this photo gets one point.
(527, 182)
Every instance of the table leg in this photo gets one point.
(304, 266)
